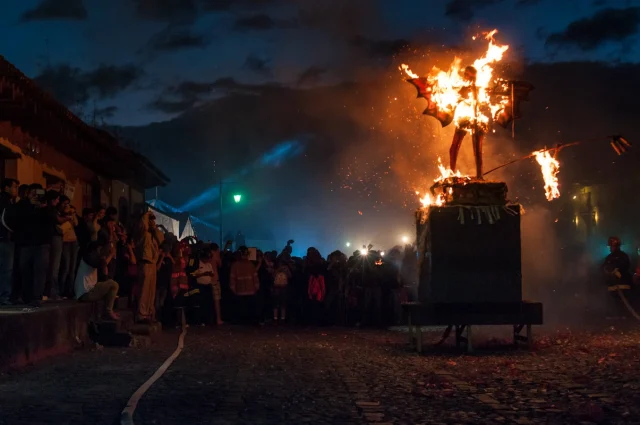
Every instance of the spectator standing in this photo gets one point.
(69, 252)
(314, 271)
(7, 248)
(204, 276)
(280, 293)
(147, 254)
(163, 278)
(33, 233)
(55, 209)
(108, 233)
(88, 285)
(216, 265)
(94, 226)
(244, 284)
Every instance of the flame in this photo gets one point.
(454, 93)
(445, 173)
(406, 69)
(428, 201)
(550, 168)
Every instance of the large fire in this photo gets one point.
(550, 168)
(452, 92)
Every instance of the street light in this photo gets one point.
(348, 244)
(237, 198)
(405, 239)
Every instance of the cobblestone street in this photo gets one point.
(242, 375)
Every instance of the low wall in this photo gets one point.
(28, 336)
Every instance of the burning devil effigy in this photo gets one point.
(468, 232)
(478, 262)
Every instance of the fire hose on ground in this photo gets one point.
(620, 290)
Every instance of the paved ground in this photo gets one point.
(240, 375)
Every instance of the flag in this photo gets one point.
(515, 92)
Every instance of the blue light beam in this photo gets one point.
(273, 158)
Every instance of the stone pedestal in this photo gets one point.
(470, 252)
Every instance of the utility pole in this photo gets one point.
(220, 211)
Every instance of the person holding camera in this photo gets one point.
(69, 248)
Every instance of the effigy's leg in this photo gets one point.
(478, 137)
(458, 136)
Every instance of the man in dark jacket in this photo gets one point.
(7, 202)
(33, 233)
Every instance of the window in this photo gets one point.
(53, 182)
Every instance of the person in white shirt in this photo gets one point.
(209, 287)
(88, 286)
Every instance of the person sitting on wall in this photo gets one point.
(88, 286)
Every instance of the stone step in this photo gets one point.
(113, 326)
(146, 329)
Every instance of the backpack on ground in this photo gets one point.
(317, 288)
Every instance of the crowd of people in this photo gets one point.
(48, 252)
(247, 286)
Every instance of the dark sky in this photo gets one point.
(301, 103)
(123, 58)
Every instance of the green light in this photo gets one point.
(237, 198)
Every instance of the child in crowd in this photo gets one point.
(280, 284)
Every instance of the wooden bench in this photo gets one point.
(462, 316)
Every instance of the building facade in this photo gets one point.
(41, 141)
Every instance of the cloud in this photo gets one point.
(380, 48)
(70, 85)
(176, 38)
(167, 10)
(523, 3)
(108, 80)
(463, 10)
(56, 9)
(106, 112)
(258, 64)
(181, 97)
(311, 75)
(607, 25)
(215, 5)
(189, 94)
(259, 22)
(171, 106)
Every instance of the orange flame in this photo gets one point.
(438, 201)
(550, 168)
(447, 88)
